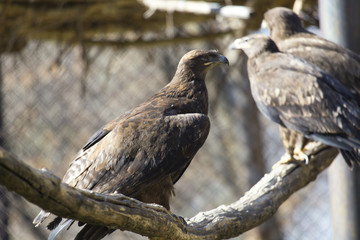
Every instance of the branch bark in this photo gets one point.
(47, 191)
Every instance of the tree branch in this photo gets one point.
(198, 7)
(118, 211)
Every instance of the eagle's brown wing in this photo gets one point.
(137, 151)
(141, 157)
(152, 180)
(303, 98)
(337, 61)
(334, 59)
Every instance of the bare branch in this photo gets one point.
(118, 211)
(197, 7)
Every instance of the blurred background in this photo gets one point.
(67, 67)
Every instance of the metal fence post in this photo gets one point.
(340, 22)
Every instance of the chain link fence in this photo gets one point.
(55, 97)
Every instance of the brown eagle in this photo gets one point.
(290, 37)
(302, 97)
(145, 151)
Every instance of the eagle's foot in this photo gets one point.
(298, 158)
(300, 155)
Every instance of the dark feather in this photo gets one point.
(350, 157)
(52, 225)
(91, 232)
(96, 138)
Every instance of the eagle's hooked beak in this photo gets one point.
(220, 60)
(264, 24)
(240, 44)
(224, 60)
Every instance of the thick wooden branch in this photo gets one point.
(118, 211)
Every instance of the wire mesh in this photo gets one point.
(54, 99)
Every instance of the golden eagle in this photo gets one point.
(145, 151)
(290, 37)
(302, 97)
